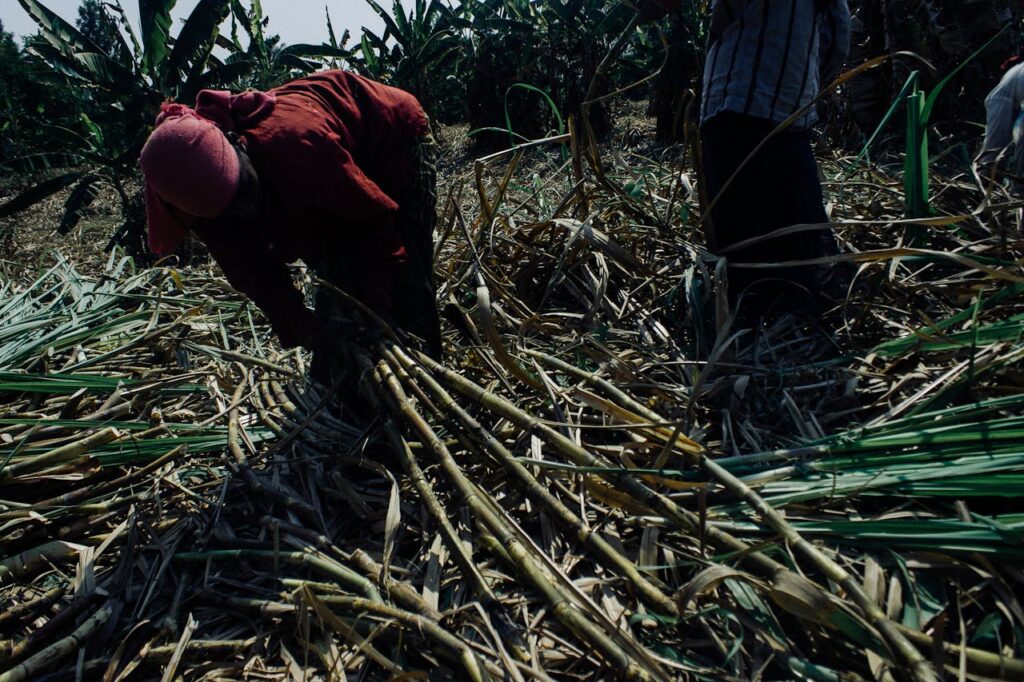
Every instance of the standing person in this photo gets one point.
(1003, 116)
(331, 169)
(767, 59)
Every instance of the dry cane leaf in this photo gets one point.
(802, 598)
(709, 579)
(605, 493)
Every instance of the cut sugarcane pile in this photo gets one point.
(606, 479)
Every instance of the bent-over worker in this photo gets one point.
(332, 169)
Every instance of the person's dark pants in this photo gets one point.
(415, 305)
(777, 188)
(415, 288)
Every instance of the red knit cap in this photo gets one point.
(189, 164)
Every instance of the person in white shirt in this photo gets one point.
(1002, 150)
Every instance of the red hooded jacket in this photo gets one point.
(332, 156)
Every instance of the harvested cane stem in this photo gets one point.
(678, 516)
(650, 594)
(246, 472)
(494, 515)
(65, 616)
(402, 591)
(504, 625)
(17, 565)
(19, 612)
(241, 357)
(59, 650)
(358, 606)
(478, 585)
(500, 619)
(345, 576)
(474, 666)
(920, 668)
(566, 612)
(61, 454)
(979, 662)
(205, 649)
(89, 492)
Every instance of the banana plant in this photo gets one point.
(418, 49)
(265, 62)
(552, 46)
(125, 86)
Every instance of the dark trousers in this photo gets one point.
(415, 287)
(778, 187)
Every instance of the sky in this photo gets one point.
(297, 21)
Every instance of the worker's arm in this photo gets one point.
(265, 280)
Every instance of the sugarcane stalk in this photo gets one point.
(920, 668)
(205, 649)
(613, 559)
(451, 645)
(243, 358)
(22, 648)
(402, 591)
(496, 512)
(19, 564)
(57, 455)
(678, 516)
(59, 650)
(979, 661)
(306, 419)
(262, 607)
(88, 492)
(245, 470)
(24, 610)
(561, 606)
(263, 407)
(502, 622)
(475, 668)
(309, 558)
(478, 585)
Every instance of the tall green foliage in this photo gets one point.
(418, 51)
(123, 83)
(96, 24)
(553, 46)
(470, 60)
(681, 67)
(264, 62)
(11, 114)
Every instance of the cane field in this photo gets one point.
(609, 476)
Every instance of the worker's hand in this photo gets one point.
(652, 10)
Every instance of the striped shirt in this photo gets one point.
(769, 58)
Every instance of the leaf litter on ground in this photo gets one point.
(608, 476)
